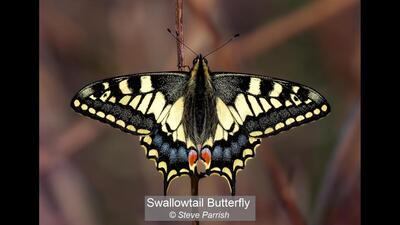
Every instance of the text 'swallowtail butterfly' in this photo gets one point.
(217, 117)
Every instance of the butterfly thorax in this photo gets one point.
(200, 112)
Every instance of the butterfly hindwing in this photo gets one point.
(148, 104)
(230, 156)
(170, 157)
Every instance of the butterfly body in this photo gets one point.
(200, 116)
(216, 117)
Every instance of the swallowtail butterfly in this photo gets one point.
(216, 117)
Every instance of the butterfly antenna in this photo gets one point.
(226, 42)
(176, 38)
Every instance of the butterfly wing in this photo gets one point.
(251, 107)
(148, 104)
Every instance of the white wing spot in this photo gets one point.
(124, 87)
(162, 165)
(77, 103)
(299, 118)
(125, 100)
(227, 172)
(100, 114)
(110, 118)
(145, 103)
(131, 128)
(219, 133)
(121, 123)
(295, 99)
(92, 111)
(269, 130)
(180, 133)
(265, 104)
(143, 131)
(289, 121)
(247, 152)
(145, 84)
(224, 115)
(84, 107)
(254, 86)
(157, 105)
(254, 105)
(163, 113)
(276, 91)
(242, 107)
(176, 113)
(279, 126)
(135, 101)
(275, 102)
(235, 115)
(256, 133)
(105, 96)
(112, 99)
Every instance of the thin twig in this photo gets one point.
(194, 179)
(179, 33)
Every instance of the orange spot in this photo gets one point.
(206, 155)
(192, 157)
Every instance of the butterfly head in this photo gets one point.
(200, 59)
(200, 63)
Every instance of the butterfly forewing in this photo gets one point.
(143, 104)
(266, 106)
(132, 103)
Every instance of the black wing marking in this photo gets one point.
(266, 106)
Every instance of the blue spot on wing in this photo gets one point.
(235, 148)
(182, 155)
(227, 154)
(164, 149)
(172, 155)
(158, 141)
(242, 140)
(217, 153)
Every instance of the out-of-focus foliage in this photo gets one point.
(93, 174)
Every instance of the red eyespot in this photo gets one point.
(206, 155)
(192, 157)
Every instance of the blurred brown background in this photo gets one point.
(92, 174)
